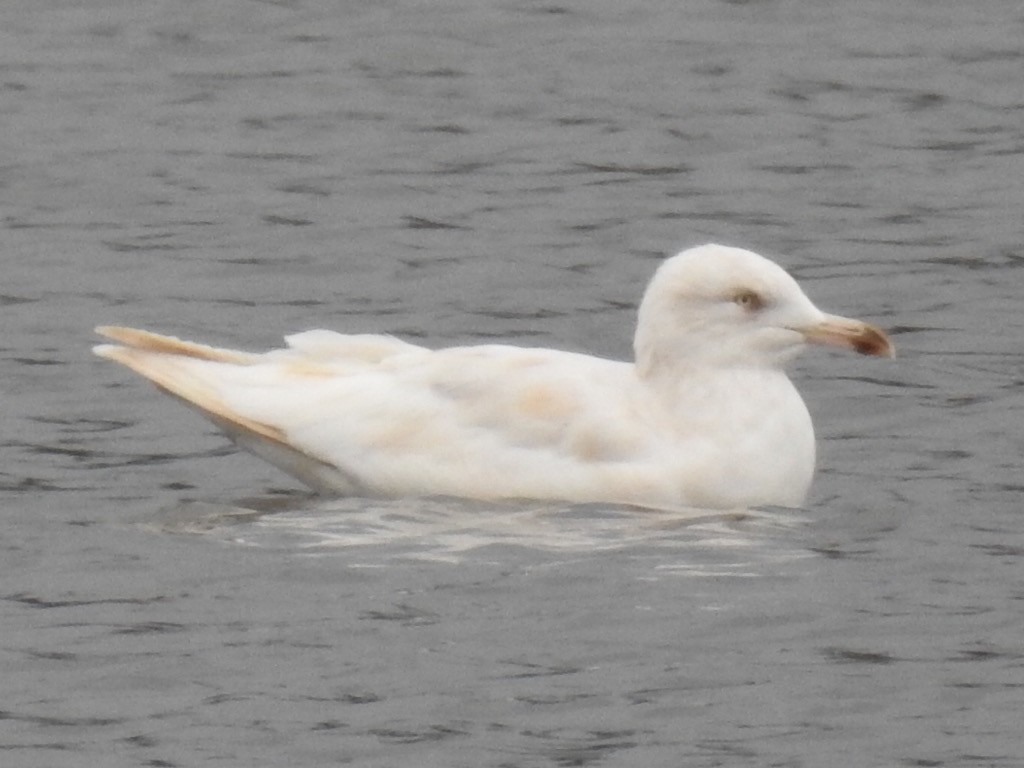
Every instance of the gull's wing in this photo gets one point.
(375, 415)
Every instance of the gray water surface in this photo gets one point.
(458, 171)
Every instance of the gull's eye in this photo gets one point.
(749, 300)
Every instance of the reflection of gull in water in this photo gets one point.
(372, 532)
(705, 416)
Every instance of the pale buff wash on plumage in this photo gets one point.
(705, 416)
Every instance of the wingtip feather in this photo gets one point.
(106, 350)
(136, 338)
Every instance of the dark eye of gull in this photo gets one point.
(749, 300)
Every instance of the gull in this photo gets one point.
(704, 416)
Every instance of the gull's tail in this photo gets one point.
(197, 374)
(182, 368)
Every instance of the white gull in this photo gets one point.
(704, 417)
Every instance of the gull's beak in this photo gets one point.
(854, 334)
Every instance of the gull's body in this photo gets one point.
(706, 416)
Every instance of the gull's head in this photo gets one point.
(716, 305)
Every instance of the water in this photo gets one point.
(457, 171)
